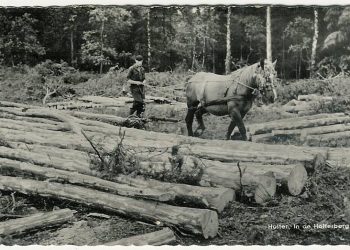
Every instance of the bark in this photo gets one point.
(314, 97)
(101, 40)
(35, 221)
(314, 44)
(197, 221)
(48, 160)
(72, 105)
(338, 139)
(149, 39)
(323, 130)
(208, 197)
(285, 124)
(72, 47)
(158, 238)
(268, 34)
(228, 42)
(84, 180)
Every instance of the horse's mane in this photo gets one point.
(244, 74)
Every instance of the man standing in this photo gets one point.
(136, 79)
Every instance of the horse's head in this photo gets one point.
(266, 77)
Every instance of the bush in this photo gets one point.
(333, 87)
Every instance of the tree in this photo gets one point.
(314, 44)
(98, 47)
(299, 33)
(228, 42)
(254, 32)
(268, 34)
(19, 41)
(71, 27)
(336, 45)
(149, 39)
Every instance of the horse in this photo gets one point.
(231, 95)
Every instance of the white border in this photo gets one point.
(17, 3)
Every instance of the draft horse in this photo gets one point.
(231, 95)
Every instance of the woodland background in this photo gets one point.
(197, 38)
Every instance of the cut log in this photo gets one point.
(215, 198)
(158, 238)
(198, 221)
(72, 105)
(85, 180)
(266, 188)
(338, 139)
(314, 97)
(323, 130)
(296, 180)
(299, 123)
(39, 220)
(46, 160)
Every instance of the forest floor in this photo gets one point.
(240, 224)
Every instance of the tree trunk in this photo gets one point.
(303, 122)
(197, 221)
(213, 49)
(101, 40)
(206, 197)
(35, 221)
(194, 53)
(228, 42)
(158, 238)
(314, 44)
(268, 34)
(149, 39)
(18, 167)
(72, 47)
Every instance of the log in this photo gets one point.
(158, 238)
(85, 180)
(205, 197)
(35, 221)
(314, 97)
(214, 198)
(47, 160)
(140, 137)
(72, 105)
(197, 221)
(287, 124)
(338, 139)
(323, 130)
(266, 188)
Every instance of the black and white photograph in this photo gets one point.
(223, 124)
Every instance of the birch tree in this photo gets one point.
(314, 44)
(149, 39)
(228, 42)
(268, 34)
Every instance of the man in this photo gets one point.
(136, 79)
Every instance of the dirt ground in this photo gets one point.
(241, 223)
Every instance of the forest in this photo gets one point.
(306, 41)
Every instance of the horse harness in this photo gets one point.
(255, 92)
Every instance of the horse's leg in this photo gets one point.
(236, 116)
(199, 116)
(189, 119)
(231, 127)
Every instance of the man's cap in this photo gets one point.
(138, 58)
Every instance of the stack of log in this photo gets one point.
(322, 130)
(101, 101)
(51, 146)
(306, 104)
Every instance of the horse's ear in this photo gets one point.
(262, 63)
(274, 63)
